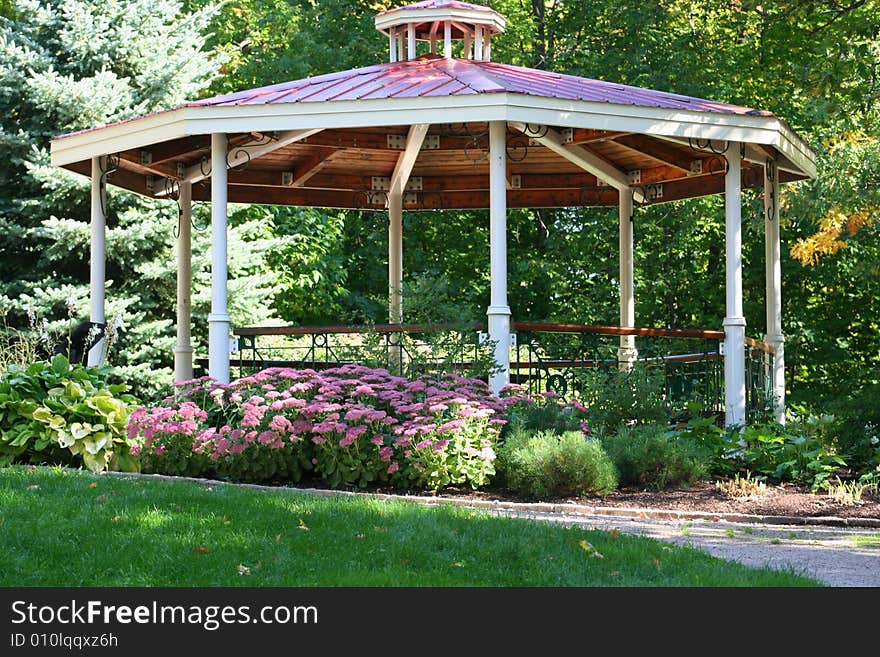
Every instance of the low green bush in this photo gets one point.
(615, 397)
(855, 427)
(653, 456)
(55, 412)
(547, 464)
(547, 413)
(772, 451)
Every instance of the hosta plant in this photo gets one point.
(62, 413)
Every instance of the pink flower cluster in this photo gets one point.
(352, 423)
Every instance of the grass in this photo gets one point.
(867, 540)
(68, 528)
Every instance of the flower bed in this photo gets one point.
(350, 425)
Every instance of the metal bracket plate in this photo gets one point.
(383, 184)
(653, 192)
(398, 142)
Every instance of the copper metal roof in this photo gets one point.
(433, 75)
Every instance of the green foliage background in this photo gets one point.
(814, 62)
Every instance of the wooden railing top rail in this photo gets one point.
(544, 327)
(617, 330)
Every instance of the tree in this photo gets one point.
(66, 65)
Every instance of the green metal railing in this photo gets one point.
(685, 366)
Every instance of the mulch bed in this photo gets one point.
(781, 500)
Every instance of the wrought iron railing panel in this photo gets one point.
(683, 368)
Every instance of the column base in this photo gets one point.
(734, 371)
(777, 375)
(626, 357)
(499, 333)
(183, 363)
(218, 346)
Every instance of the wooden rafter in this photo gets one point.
(658, 151)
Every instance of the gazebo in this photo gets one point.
(442, 126)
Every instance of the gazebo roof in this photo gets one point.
(333, 140)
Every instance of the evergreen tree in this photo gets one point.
(67, 65)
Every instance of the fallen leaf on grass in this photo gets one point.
(404, 562)
(201, 550)
(118, 518)
(302, 525)
(615, 532)
(101, 498)
(243, 570)
(458, 564)
(278, 538)
(590, 550)
(94, 484)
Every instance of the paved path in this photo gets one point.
(834, 555)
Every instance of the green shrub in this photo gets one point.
(546, 464)
(58, 413)
(652, 456)
(547, 414)
(770, 450)
(718, 448)
(614, 397)
(856, 427)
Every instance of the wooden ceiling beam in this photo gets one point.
(581, 156)
(661, 152)
(351, 182)
(250, 150)
(581, 136)
(311, 166)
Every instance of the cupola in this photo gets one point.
(446, 26)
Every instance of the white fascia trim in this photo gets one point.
(123, 136)
(418, 16)
(665, 122)
(440, 109)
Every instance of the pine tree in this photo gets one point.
(67, 65)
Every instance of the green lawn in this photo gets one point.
(67, 528)
(867, 540)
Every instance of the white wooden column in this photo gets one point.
(773, 263)
(411, 41)
(734, 322)
(392, 47)
(395, 257)
(97, 258)
(626, 353)
(498, 312)
(183, 351)
(447, 40)
(218, 320)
